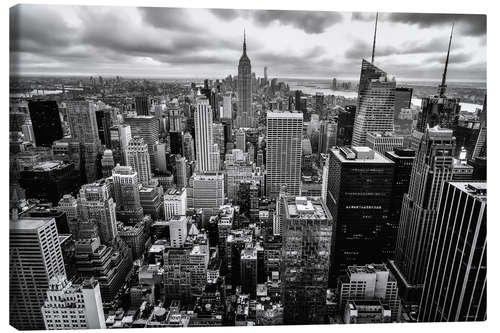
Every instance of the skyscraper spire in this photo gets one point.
(244, 42)
(442, 86)
(374, 38)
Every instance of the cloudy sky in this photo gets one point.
(172, 42)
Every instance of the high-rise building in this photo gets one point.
(402, 101)
(49, 181)
(403, 162)
(73, 306)
(327, 136)
(83, 126)
(126, 188)
(35, 257)
(120, 135)
(204, 136)
(146, 127)
(283, 152)
(161, 151)
(97, 206)
(248, 271)
(46, 122)
(440, 109)
(370, 282)
(181, 179)
(455, 282)
(175, 202)
(433, 166)
(345, 125)
(359, 199)
(219, 137)
(150, 197)
(208, 190)
(227, 107)
(107, 163)
(306, 234)
(142, 105)
(244, 115)
(103, 118)
(188, 146)
(375, 111)
(177, 226)
(319, 101)
(138, 159)
(240, 140)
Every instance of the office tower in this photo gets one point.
(175, 119)
(83, 126)
(283, 152)
(368, 283)
(327, 136)
(359, 199)
(68, 205)
(403, 162)
(188, 146)
(208, 190)
(97, 206)
(236, 241)
(107, 163)
(382, 142)
(375, 111)
(227, 107)
(146, 127)
(46, 122)
(177, 225)
(319, 101)
(142, 105)
(480, 146)
(175, 202)
(248, 271)
(126, 188)
(219, 137)
(260, 159)
(73, 306)
(345, 125)
(455, 282)
(239, 169)
(244, 115)
(109, 265)
(440, 109)
(138, 159)
(120, 135)
(35, 257)
(334, 84)
(402, 101)
(150, 198)
(306, 234)
(135, 236)
(181, 178)
(240, 140)
(204, 136)
(49, 181)
(103, 118)
(433, 166)
(265, 75)
(161, 151)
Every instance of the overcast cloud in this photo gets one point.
(174, 42)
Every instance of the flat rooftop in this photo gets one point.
(476, 190)
(371, 268)
(29, 223)
(306, 208)
(377, 157)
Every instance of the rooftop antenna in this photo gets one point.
(244, 42)
(374, 38)
(442, 86)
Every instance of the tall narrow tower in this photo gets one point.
(244, 116)
(204, 135)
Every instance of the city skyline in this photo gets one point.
(192, 42)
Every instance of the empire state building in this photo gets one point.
(244, 117)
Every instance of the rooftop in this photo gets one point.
(306, 208)
(476, 189)
(29, 223)
(353, 155)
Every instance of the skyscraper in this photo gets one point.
(244, 116)
(126, 188)
(204, 137)
(455, 282)
(433, 166)
(440, 109)
(138, 159)
(103, 118)
(208, 190)
(46, 122)
(120, 135)
(306, 233)
(188, 146)
(142, 105)
(345, 124)
(359, 198)
(146, 127)
(35, 257)
(283, 152)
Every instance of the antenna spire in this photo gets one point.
(442, 87)
(374, 38)
(244, 42)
